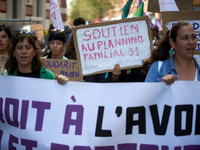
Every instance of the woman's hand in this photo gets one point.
(61, 79)
(116, 72)
(169, 79)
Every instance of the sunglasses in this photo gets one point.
(31, 33)
(57, 30)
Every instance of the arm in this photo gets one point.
(116, 73)
(153, 76)
(169, 79)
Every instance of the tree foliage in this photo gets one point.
(91, 9)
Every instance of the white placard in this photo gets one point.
(102, 47)
(168, 5)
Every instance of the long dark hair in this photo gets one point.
(71, 51)
(161, 52)
(11, 63)
(7, 30)
(56, 35)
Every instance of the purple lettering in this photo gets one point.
(29, 144)
(24, 114)
(1, 110)
(12, 140)
(165, 148)
(40, 106)
(78, 122)
(147, 146)
(15, 111)
(55, 146)
(104, 148)
(82, 148)
(193, 147)
(1, 134)
(129, 146)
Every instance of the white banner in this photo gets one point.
(38, 114)
(168, 5)
(55, 15)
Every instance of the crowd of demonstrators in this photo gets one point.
(57, 43)
(6, 36)
(175, 53)
(24, 60)
(173, 59)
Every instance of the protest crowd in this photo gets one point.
(170, 55)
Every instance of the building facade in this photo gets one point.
(35, 9)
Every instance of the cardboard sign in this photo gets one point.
(153, 5)
(68, 68)
(40, 114)
(172, 17)
(100, 46)
(3, 59)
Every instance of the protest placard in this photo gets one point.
(92, 116)
(3, 59)
(172, 17)
(100, 46)
(68, 68)
(153, 5)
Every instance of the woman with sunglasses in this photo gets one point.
(24, 60)
(57, 43)
(5, 38)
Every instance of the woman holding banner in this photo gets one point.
(24, 60)
(5, 38)
(173, 59)
(57, 43)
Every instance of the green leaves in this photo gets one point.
(91, 9)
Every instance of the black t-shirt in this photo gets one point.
(130, 75)
(31, 74)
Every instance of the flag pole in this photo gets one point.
(132, 9)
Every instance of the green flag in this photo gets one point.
(139, 11)
(126, 9)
